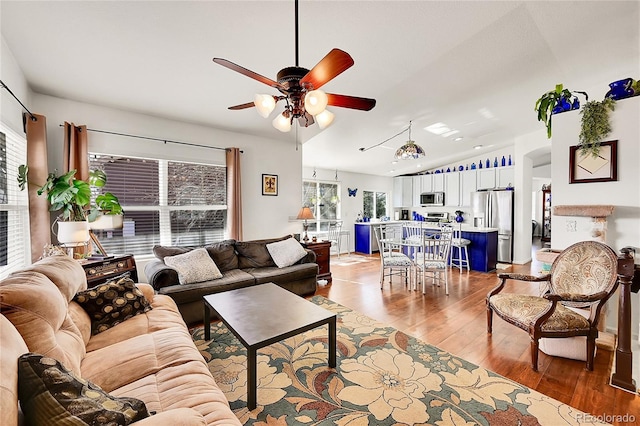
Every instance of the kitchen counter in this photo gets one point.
(483, 250)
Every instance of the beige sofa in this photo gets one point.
(150, 357)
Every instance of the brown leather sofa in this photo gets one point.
(150, 357)
(242, 263)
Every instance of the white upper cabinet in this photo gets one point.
(426, 183)
(402, 191)
(486, 178)
(468, 184)
(438, 182)
(452, 189)
(417, 190)
(505, 177)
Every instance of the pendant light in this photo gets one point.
(409, 150)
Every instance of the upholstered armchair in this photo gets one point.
(582, 276)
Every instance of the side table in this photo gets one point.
(99, 271)
(323, 256)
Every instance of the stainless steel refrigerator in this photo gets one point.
(494, 209)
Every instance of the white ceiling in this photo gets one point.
(477, 66)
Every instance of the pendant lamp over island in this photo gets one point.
(409, 150)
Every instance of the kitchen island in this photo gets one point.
(483, 250)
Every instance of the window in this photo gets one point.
(14, 207)
(374, 204)
(165, 202)
(323, 199)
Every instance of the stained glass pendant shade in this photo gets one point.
(409, 150)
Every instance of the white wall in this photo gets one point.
(350, 206)
(12, 76)
(624, 225)
(263, 216)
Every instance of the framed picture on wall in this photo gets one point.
(587, 168)
(269, 184)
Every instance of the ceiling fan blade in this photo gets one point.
(242, 106)
(336, 62)
(248, 73)
(353, 102)
(306, 120)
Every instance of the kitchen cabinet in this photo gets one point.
(437, 183)
(486, 178)
(483, 250)
(365, 241)
(452, 189)
(417, 190)
(426, 183)
(546, 215)
(505, 177)
(402, 191)
(468, 184)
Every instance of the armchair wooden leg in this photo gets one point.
(489, 320)
(534, 354)
(591, 349)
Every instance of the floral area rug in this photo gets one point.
(383, 377)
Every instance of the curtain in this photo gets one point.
(39, 217)
(234, 194)
(76, 151)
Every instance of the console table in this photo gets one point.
(99, 271)
(322, 249)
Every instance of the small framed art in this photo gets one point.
(587, 168)
(269, 184)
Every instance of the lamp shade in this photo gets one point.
(315, 102)
(305, 213)
(325, 118)
(264, 104)
(282, 123)
(409, 151)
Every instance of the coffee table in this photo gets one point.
(264, 314)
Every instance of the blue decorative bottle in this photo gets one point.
(503, 161)
(473, 166)
(510, 159)
(459, 217)
(480, 164)
(488, 164)
(495, 162)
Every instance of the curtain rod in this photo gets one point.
(154, 139)
(33, 117)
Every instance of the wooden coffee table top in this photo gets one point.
(266, 313)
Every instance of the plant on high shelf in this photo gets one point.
(554, 102)
(595, 125)
(72, 197)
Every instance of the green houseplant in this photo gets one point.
(72, 197)
(595, 125)
(546, 104)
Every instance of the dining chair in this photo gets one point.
(433, 258)
(392, 260)
(460, 256)
(334, 234)
(583, 275)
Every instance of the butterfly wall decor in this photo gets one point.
(352, 192)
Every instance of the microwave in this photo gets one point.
(432, 199)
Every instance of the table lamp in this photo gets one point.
(305, 213)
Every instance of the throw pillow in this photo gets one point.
(51, 394)
(194, 266)
(254, 254)
(286, 252)
(111, 303)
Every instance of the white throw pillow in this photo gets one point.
(286, 252)
(194, 266)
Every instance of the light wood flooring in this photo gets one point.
(457, 324)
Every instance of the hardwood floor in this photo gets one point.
(457, 324)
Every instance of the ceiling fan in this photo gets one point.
(299, 88)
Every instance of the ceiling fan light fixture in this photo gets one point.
(265, 104)
(282, 123)
(315, 102)
(325, 118)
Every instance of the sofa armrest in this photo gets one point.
(174, 417)
(309, 258)
(160, 275)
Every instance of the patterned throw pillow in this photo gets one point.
(51, 394)
(194, 266)
(111, 303)
(286, 252)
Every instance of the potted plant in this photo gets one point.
(595, 125)
(553, 102)
(72, 197)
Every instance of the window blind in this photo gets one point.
(14, 205)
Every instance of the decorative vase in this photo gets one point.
(459, 217)
(562, 105)
(503, 162)
(510, 163)
(620, 89)
(73, 232)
